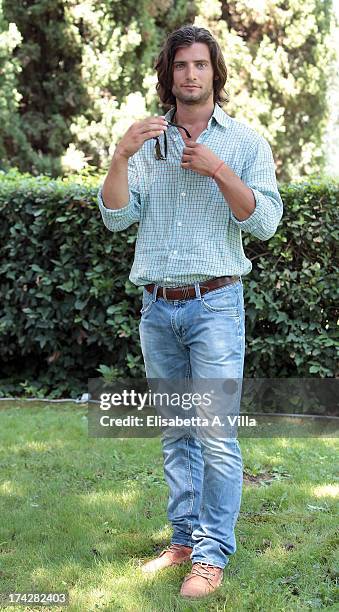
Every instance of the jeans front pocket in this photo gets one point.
(147, 301)
(224, 299)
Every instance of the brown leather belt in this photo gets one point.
(188, 292)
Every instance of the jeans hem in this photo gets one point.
(214, 563)
(182, 543)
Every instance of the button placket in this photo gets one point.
(173, 253)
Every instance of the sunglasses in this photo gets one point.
(157, 152)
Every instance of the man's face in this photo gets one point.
(193, 74)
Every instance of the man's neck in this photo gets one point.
(191, 115)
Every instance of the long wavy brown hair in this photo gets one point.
(185, 37)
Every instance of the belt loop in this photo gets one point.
(197, 290)
(155, 291)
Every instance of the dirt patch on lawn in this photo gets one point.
(264, 477)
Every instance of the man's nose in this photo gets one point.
(190, 72)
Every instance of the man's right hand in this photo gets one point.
(138, 133)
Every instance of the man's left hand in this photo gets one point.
(199, 158)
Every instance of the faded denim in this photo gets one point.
(203, 337)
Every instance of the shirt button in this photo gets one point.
(183, 193)
(179, 223)
(175, 252)
(168, 278)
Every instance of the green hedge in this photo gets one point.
(67, 306)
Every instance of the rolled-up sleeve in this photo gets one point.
(119, 219)
(259, 175)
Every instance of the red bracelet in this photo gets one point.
(217, 168)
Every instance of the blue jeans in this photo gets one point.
(203, 337)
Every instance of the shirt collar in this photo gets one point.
(218, 115)
(170, 114)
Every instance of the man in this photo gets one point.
(192, 199)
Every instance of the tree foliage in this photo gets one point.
(280, 63)
(75, 75)
(49, 81)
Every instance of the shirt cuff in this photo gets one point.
(112, 212)
(251, 222)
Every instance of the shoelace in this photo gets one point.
(171, 548)
(204, 570)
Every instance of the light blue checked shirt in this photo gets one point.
(187, 232)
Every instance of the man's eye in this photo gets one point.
(201, 65)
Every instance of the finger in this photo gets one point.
(153, 121)
(154, 118)
(190, 143)
(191, 152)
(151, 127)
(159, 120)
(151, 134)
(186, 158)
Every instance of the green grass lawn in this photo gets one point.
(80, 515)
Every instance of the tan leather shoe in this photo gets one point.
(202, 580)
(175, 554)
